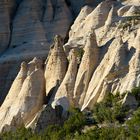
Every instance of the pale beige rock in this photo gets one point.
(109, 20)
(87, 66)
(14, 91)
(67, 86)
(27, 28)
(56, 65)
(132, 78)
(133, 11)
(108, 70)
(132, 2)
(31, 66)
(75, 41)
(108, 65)
(123, 10)
(29, 100)
(16, 86)
(92, 21)
(85, 11)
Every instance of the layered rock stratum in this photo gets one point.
(99, 54)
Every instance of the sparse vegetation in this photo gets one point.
(128, 22)
(110, 110)
(79, 54)
(110, 122)
(136, 92)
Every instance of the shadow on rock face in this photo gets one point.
(50, 116)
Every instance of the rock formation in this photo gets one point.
(56, 65)
(67, 86)
(28, 101)
(14, 91)
(92, 20)
(49, 116)
(27, 29)
(7, 9)
(123, 10)
(101, 55)
(87, 66)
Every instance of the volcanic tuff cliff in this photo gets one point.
(28, 26)
(100, 55)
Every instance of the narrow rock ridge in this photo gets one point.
(87, 66)
(67, 86)
(14, 91)
(7, 8)
(93, 20)
(109, 64)
(28, 101)
(56, 66)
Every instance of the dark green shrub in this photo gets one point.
(75, 122)
(136, 92)
(134, 124)
(111, 124)
(79, 54)
(110, 110)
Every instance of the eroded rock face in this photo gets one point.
(87, 66)
(116, 56)
(28, 101)
(89, 20)
(56, 65)
(49, 116)
(14, 91)
(132, 77)
(27, 28)
(66, 88)
(7, 9)
(113, 61)
(110, 38)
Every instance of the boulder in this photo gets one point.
(14, 91)
(49, 116)
(130, 101)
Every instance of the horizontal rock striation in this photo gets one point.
(27, 29)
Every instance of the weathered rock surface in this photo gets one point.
(110, 38)
(27, 28)
(66, 88)
(88, 21)
(87, 66)
(107, 71)
(14, 91)
(56, 66)
(28, 101)
(7, 8)
(115, 59)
